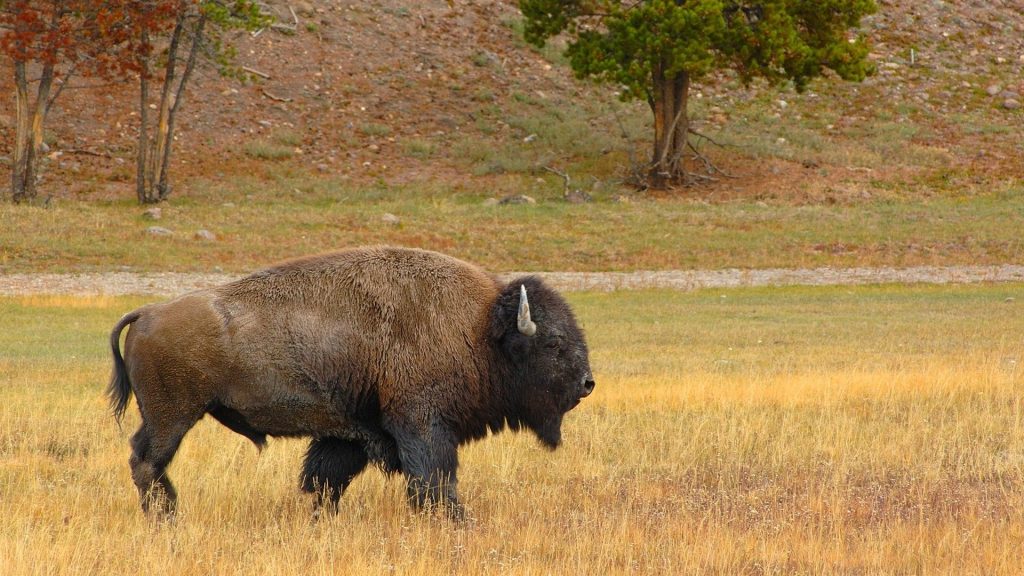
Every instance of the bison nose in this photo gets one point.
(588, 387)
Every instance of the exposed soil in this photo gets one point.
(360, 84)
(172, 283)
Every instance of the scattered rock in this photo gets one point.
(578, 196)
(530, 138)
(621, 199)
(993, 89)
(492, 201)
(373, 148)
(158, 231)
(205, 235)
(304, 8)
(389, 218)
(153, 214)
(780, 141)
(517, 199)
(1011, 104)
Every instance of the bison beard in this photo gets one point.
(381, 355)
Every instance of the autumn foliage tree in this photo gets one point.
(160, 41)
(655, 49)
(48, 42)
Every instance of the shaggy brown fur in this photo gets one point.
(389, 355)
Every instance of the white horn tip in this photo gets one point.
(525, 324)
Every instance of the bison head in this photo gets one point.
(545, 354)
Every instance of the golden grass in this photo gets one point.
(795, 431)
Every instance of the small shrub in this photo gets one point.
(262, 150)
(287, 138)
(373, 129)
(419, 149)
(481, 59)
(484, 95)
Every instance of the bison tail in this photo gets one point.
(120, 388)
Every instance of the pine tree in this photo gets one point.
(655, 49)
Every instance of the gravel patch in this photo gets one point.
(171, 283)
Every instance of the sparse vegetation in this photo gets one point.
(419, 148)
(373, 129)
(287, 137)
(819, 431)
(267, 150)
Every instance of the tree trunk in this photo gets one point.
(28, 135)
(155, 163)
(155, 154)
(140, 159)
(22, 133)
(165, 160)
(668, 102)
(38, 119)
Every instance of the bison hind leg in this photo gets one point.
(328, 468)
(151, 453)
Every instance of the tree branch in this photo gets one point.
(564, 175)
(708, 164)
(706, 137)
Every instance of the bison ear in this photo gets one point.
(526, 326)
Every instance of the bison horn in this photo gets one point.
(526, 326)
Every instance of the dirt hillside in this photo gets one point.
(395, 92)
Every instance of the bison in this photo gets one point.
(386, 355)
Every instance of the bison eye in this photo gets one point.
(554, 343)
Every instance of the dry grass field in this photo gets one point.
(764, 431)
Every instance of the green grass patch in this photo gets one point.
(257, 222)
(418, 148)
(374, 129)
(279, 145)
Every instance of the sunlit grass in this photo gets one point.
(257, 223)
(800, 430)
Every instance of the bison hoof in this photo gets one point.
(455, 511)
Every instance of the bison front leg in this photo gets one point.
(329, 467)
(429, 461)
